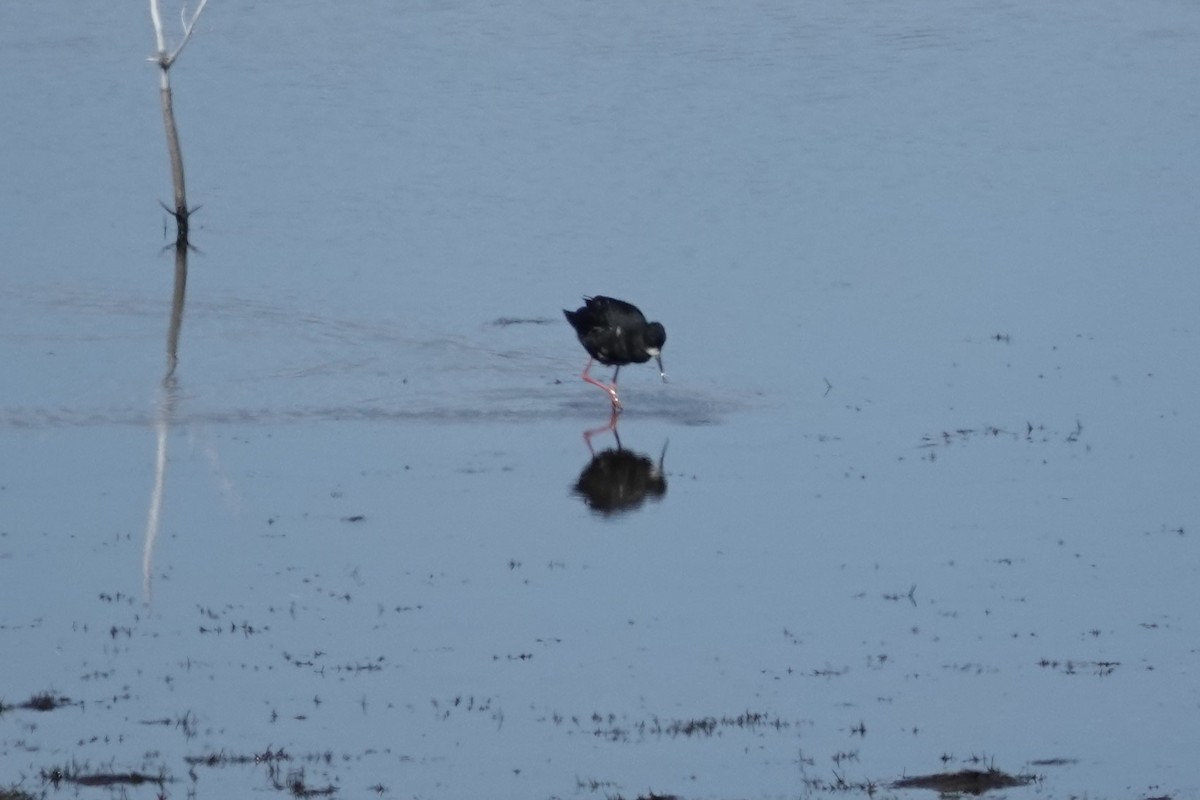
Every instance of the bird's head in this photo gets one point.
(655, 337)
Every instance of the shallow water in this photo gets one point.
(928, 279)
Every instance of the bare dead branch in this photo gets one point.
(162, 57)
(165, 59)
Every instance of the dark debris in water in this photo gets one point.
(294, 781)
(1028, 433)
(966, 781)
(1079, 667)
(841, 784)
(1053, 762)
(616, 728)
(14, 794)
(82, 776)
(296, 784)
(41, 701)
(221, 759)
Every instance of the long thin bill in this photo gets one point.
(661, 371)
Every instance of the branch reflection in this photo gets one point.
(168, 398)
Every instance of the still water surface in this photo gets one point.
(928, 275)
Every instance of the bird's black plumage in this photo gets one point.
(616, 333)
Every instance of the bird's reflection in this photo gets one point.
(617, 480)
(164, 415)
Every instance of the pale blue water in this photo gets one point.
(928, 275)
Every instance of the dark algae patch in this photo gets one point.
(42, 701)
(281, 775)
(81, 776)
(15, 794)
(965, 781)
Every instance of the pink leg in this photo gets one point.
(612, 390)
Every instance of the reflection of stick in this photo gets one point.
(163, 417)
(177, 298)
(166, 402)
(164, 60)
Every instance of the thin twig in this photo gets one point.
(188, 27)
(158, 30)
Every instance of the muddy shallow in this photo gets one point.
(916, 512)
